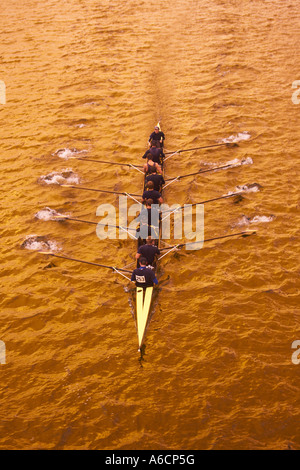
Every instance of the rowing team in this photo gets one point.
(144, 274)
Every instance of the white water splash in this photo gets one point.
(246, 188)
(249, 188)
(231, 163)
(39, 243)
(234, 162)
(66, 176)
(68, 153)
(258, 219)
(237, 162)
(247, 161)
(241, 136)
(47, 214)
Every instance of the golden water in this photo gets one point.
(96, 76)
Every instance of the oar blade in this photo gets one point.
(59, 217)
(247, 233)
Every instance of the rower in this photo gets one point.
(155, 153)
(158, 179)
(148, 251)
(143, 276)
(157, 136)
(150, 193)
(151, 164)
(149, 221)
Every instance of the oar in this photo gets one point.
(64, 217)
(233, 144)
(106, 162)
(203, 202)
(201, 171)
(113, 268)
(125, 229)
(70, 186)
(245, 233)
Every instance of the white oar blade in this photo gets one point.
(248, 232)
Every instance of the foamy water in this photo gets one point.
(67, 153)
(39, 243)
(66, 176)
(48, 214)
(236, 138)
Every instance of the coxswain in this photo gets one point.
(157, 136)
(143, 276)
(158, 179)
(150, 193)
(155, 153)
(150, 165)
(149, 251)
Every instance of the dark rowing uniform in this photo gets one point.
(144, 277)
(156, 154)
(157, 136)
(149, 252)
(157, 179)
(149, 223)
(152, 194)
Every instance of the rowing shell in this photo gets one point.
(144, 300)
(143, 304)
